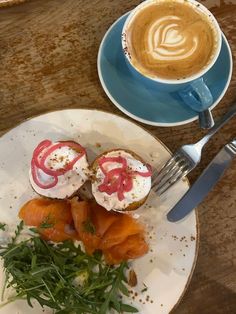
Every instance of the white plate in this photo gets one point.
(4, 3)
(168, 267)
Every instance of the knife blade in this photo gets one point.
(207, 180)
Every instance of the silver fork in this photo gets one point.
(186, 158)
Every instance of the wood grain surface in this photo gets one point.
(48, 52)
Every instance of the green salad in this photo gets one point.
(63, 277)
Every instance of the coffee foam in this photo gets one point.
(165, 42)
(170, 40)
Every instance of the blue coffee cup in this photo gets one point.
(192, 89)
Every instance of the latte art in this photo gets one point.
(170, 39)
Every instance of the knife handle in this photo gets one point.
(218, 125)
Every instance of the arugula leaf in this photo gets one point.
(2, 226)
(114, 290)
(18, 230)
(128, 308)
(123, 289)
(47, 223)
(34, 230)
(63, 277)
(89, 227)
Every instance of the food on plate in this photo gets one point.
(58, 169)
(51, 265)
(81, 213)
(52, 218)
(132, 247)
(119, 236)
(121, 180)
(62, 277)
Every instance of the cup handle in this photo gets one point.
(197, 95)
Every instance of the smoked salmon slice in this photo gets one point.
(81, 213)
(102, 218)
(121, 229)
(133, 247)
(118, 235)
(59, 232)
(52, 218)
(37, 210)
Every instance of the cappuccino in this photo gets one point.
(170, 39)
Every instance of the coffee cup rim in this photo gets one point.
(199, 74)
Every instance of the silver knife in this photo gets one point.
(204, 183)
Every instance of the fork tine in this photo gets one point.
(169, 171)
(169, 175)
(165, 169)
(169, 162)
(233, 147)
(180, 174)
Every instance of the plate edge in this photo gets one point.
(167, 149)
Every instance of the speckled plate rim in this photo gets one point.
(166, 148)
(7, 3)
(162, 124)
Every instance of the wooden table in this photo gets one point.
(48, 52)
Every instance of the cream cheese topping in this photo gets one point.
(69, 182)
(141, 185)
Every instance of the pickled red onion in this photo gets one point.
(145, 174)
(118, 180)
(38, 150)
(118, 159)
(36, 180)
(41, 153)
(69, 166)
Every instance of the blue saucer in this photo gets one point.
(152, 106)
